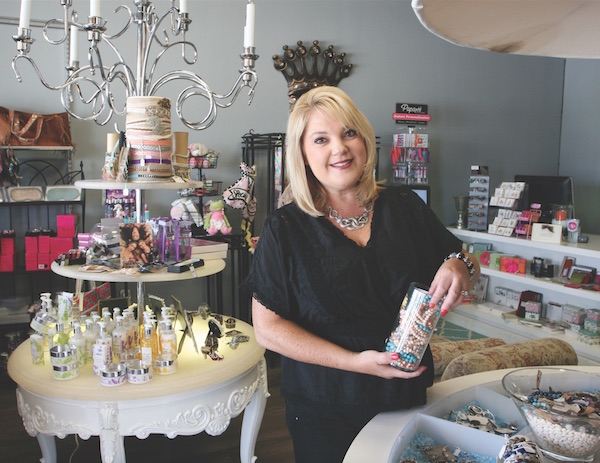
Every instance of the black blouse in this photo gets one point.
(306, 270)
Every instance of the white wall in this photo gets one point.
(503, 111)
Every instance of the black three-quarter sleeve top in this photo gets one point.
(306, 270)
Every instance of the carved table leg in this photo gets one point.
(48, 448)
(112, 444)
(253, 415)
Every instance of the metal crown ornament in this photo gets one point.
(305, 69)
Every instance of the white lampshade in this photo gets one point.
(557, 28)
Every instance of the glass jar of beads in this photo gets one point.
(414, 327)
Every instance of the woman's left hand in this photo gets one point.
(451, 282)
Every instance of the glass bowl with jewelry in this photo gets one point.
(561, 407)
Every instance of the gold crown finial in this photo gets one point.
(304, 68)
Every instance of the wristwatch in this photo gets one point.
(465, 259)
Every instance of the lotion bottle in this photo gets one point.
(168, 340)
(90, 336)
(102, 350)
(147, 345)
(119, 338)
(78, 343)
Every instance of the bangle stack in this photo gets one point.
(465, 259)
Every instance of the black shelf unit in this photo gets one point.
(38, 166)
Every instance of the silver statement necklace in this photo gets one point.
(351, 223)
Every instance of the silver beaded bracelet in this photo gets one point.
(465, 259)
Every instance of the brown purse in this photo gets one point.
(19, 128)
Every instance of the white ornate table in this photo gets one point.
(202, 396)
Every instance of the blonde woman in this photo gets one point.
(329, 274)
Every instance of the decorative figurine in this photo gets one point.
(216, 220)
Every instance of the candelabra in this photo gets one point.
(97, 86)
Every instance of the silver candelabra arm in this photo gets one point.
(199, 87)
(94, 85)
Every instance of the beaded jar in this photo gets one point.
(414, 327)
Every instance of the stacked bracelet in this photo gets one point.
(465, 259)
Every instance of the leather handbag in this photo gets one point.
(19, 128)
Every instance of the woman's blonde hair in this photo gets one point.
(303, 186)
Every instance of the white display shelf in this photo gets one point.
(544, 284)
(210, 267)
(486, 319)
(584, 254)
(591, 249)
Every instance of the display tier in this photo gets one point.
(486, 318)
(201, 396)
(98, 184)
(210, 267)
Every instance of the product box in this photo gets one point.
(60, 245)
(546, 233)
(533, 310)
(483, 257)
(515, 265)
(8, 263)
(136, 244)
(527, 296)
(573, 314)
(88, 301)
(44, 244)
(512, 298)
(499, 296)
(66, 232)
(593, 314)
(43, 261)
(31, 262)
(495, 259)
(31, 244)
(474, 247)
(589, 337)
(7, 244)
(554, 311)
(66, 220)
(574, 327)
(591, 325)
(84, 240)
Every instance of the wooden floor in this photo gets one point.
(273, 445)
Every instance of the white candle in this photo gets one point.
(249, 28)
(183, 6)
(73, 47)
(95, 8)
(25, 14)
